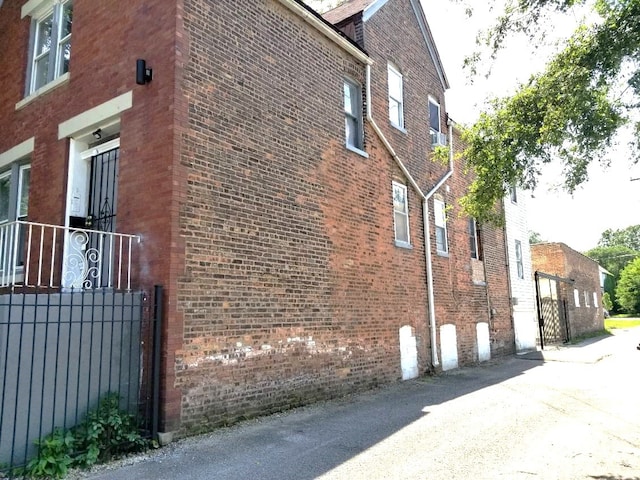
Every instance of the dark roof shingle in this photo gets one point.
(346, 10)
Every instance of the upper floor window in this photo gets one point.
(396, 108)
(51, 40)
(353, 115)
(519, 260)
(475, 242)
(437, 137)
(439, 212)
(400, 213)
(513, 194)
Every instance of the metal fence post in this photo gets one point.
(157, 350)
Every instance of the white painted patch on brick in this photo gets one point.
(449, 347)
(408, 353)
(484, 343)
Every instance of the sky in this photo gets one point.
(608, 200)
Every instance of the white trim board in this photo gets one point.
(16, 153)
(106, 111)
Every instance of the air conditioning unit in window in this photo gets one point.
(438, 139)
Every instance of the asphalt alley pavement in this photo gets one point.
(565, 413)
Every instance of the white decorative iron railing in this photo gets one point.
(41, 255)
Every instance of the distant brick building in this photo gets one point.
(574, 280)
(279, 173)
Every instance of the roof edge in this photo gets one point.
(372, 9)
(314, 19)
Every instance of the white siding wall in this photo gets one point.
(522, 290)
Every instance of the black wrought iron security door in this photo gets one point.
(103, 191)
(103, 200)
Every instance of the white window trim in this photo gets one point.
(401, 243)
(441, 222)
(64, 78)
(399, 122)
(21, 150)
(576, 297)
(435, 102)
(37, 10)
(595, 299)
(519, 260)
(472, 224)
(359, 119)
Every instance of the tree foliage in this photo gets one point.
(628, 290)
(569, 112)
(613, 259)
(628, 237)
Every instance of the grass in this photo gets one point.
(621, 322)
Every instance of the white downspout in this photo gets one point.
(425, 212)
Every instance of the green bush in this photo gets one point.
(106, 433)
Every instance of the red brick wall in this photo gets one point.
(293, 289)
(108, 36)
(560, 260)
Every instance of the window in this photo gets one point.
(475, 243)
(441, 226)
(14, 205)
(586, 299)
(513, 194)
(519, 262)
(434, 116)
(437, 137)
(353, 115)
(14, 193)
(595, 299)
(51, 39)
(576, 297)
(396, 109)
(400, 214)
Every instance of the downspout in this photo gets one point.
(425, 210)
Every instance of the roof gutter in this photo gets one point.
(327, 30)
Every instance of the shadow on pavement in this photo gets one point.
(310, 441)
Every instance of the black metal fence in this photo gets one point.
(61, 352)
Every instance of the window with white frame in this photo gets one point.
(440, 216)
(576, 297)
(353, 115)
(51, 42)
(519, 260)
(14, 205)
(595, 299)
(400, 213)
(396, 107)
(513, 194)
(475, 243)
(586, 299)
(437, 137)
(14, 193)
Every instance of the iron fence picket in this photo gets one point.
(60, 352)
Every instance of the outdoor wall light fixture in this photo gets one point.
(97, 134)
(143, 74)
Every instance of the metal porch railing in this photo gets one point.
(42, 255)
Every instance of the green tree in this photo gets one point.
(613, 259)
(569, 112)
(628, 290)
(606, 301)
(628, 237)
(535, 237)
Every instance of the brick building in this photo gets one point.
(571, 279)
(272, 169)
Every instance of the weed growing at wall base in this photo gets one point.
(106, 433)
